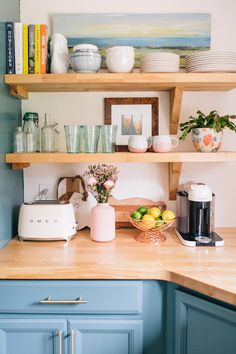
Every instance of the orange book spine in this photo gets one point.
(43, 48)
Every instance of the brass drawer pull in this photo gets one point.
(50, 301)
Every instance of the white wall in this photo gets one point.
(145, 180)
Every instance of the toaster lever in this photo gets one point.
(50, 301)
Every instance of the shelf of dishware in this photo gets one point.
(176, 83)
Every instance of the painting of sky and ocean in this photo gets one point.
(178, 33)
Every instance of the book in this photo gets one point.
(25, 49)
(10, 48)
(43, 45)
(37, 50)
(31, 48)
(18, 48)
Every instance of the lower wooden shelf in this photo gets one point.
(175, 160)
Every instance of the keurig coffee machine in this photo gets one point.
(195, 217)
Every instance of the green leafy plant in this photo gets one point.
(212, 120)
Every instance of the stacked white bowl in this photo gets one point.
(159, 62)
(120, 59)
(86, 58)
(211, 61)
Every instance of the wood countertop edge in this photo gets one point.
(71, 273)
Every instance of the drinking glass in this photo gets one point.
(91, 135)
(73, 138)
(108, 134)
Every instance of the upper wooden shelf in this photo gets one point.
(21, 85)
(176, 83)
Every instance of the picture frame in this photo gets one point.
(133, 116)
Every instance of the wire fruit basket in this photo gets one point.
(150, 233)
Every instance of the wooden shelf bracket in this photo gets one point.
(176, 95)
(19, 92)
(174, 176)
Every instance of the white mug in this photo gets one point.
(164, 143)
(139, 143)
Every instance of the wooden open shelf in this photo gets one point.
(176, 83)
(175, 160)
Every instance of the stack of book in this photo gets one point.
(26, 48)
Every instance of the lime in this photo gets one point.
(142, 210)
(136, 215)
(159, 222)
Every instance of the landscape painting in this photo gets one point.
(166, 32)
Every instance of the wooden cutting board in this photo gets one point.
(68, 185)
(123, 206)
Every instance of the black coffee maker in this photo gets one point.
(195, 212)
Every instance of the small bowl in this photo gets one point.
(85, 47)
(86, 62)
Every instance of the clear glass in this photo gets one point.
(73, 138)
(49, 136)
(91, 135)
(19, 140)
(31, 120)
(108, 134)
(30, 141)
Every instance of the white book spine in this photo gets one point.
(18, 48)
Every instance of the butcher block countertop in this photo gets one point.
(209, 270)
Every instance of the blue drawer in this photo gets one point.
(102, 297)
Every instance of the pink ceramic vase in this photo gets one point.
(102, 223)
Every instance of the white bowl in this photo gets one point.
(120, 49)
(89, 63)
(85, 47)
(120, 65)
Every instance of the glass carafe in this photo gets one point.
(49, 136)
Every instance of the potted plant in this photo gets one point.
(207, 130)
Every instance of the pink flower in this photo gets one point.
(91, 181)
(109, 184)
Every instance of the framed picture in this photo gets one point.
(180, 33)
(133, 116)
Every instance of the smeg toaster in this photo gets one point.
(46, 220)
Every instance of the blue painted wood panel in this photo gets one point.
(103, 336)
(103, 297)
(32, 336)
(11, 182)
(202, 327)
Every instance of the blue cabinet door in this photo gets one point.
(104, 336)
(202, 327)
(32, 336)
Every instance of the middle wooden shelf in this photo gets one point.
(174, 159)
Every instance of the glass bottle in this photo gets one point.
(31, 120)
(19, 140)
(47, 135)
(30, 140)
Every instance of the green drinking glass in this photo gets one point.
(73, 138)
(108, 134)
(91, 134)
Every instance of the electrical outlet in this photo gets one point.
(45, 191)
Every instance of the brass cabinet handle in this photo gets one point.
(72, 342)
(50, 301)
(59, 342)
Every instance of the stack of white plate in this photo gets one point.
(159, 62)
(211, 61)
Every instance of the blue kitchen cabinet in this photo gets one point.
(118, 317)
(203, 327)
(105, 336)
(32, 336)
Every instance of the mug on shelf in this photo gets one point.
(164, 143)
(139, 143)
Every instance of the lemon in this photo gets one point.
(148, 221)
(136, 215)
(155, 212)
(142, 210)
(168, 215)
